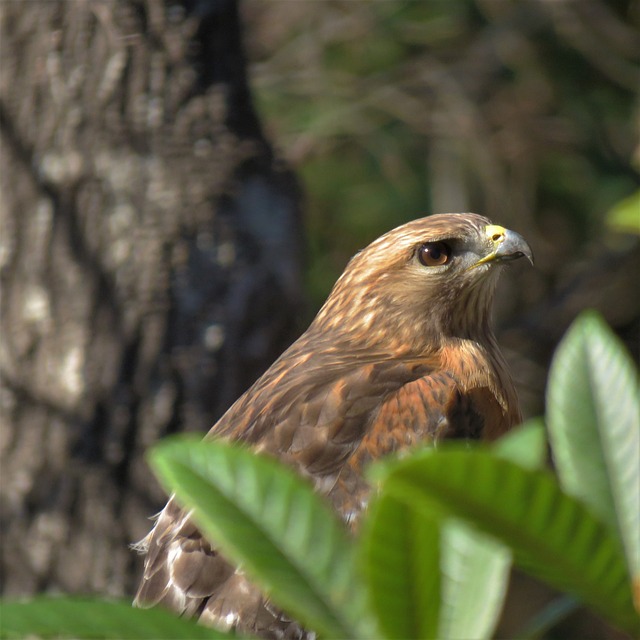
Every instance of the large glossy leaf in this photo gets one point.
(431, 577)
(475, 574)
(553, 536)
(401, 559)
(594, 425)
(476, 567)
(91, 618)
(525, 445)
(263, 516)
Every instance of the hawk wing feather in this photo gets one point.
(329, 432)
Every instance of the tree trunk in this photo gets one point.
(150, 267)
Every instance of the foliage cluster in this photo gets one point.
(433, 555)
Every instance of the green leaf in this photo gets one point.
(475, 572)
(553, 536)
(594, 426)
(625, 215)
(476, 567)
(430, 577)
(525, 445)
(48, 617)
(400, 554)
(266, 518)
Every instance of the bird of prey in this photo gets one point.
(401, 353)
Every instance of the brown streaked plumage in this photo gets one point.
(401, 353)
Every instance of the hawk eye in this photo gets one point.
(433, 254)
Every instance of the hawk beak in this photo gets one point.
(506, 245)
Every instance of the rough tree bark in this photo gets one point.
(150, 265)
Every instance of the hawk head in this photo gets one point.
(430, 279)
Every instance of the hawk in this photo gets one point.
(401, 353)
